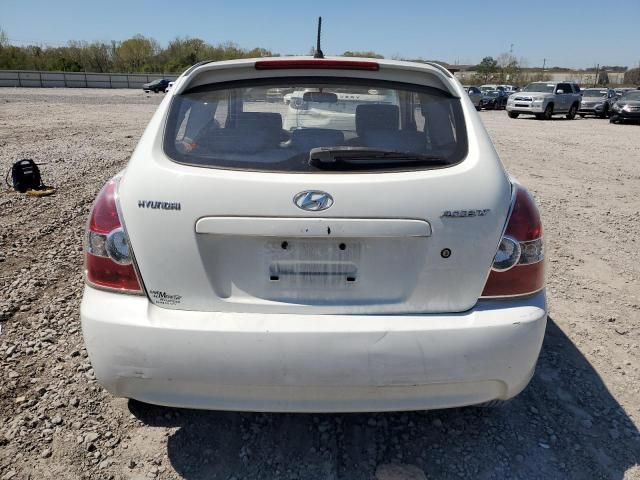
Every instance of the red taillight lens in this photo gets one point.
(518, 267)
(108, 259)
(316, 64)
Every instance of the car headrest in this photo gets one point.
(237, 140)
(401, 140)
(308, 138)
(377, 117)
(259, 120)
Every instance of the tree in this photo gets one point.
(4, 39)
(603, 78)
(184, 52)
(486, 70)
(137, 54)
(632, 76)
(368, 54)
(508, 69)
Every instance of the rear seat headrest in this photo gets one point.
(377, 117)
(259, 120)
(308, 138)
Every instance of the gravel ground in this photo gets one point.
(578, 418)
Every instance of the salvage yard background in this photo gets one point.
(578, 418)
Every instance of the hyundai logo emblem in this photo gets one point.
(313, 200)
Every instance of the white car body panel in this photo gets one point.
(410, 332)
(183, 263)
(311, 363)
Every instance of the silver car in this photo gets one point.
(475, 95)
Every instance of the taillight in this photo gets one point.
(316, 64)
(518, 267)
(108, 258)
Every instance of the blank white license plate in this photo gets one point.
(313, 261)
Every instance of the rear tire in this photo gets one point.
(548, 113)
(572, 112)
(513, 114)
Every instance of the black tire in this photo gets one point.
(571, 114)
(548, 112)
(478, 108)
(613, 119)
(513, 114)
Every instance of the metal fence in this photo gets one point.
(37, 79)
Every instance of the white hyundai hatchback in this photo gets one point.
(385, 261)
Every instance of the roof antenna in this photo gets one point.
(319, 53)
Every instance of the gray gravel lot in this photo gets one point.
(578, 419)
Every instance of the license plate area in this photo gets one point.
(312, 263)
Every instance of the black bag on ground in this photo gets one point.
(25, 175)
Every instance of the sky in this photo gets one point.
(587, 33)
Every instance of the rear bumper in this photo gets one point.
(269, 362)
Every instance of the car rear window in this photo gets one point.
(273, 124)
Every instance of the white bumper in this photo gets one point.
(526, 107)
(270, 362)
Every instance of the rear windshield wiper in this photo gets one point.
(363, 158)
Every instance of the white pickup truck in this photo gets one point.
(545, 99)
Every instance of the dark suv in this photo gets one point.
(627, 108)
(159, 85)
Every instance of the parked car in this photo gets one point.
(488, 88)
(504, 88)
(387, 262)
(626, 108)
(494, 100)
(622, 91)
(156, 86)
(336, 111)
(545, 99)
(597, 101)
(277, 94)
(475, 95)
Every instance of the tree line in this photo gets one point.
(505, 68)
(138, 54)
